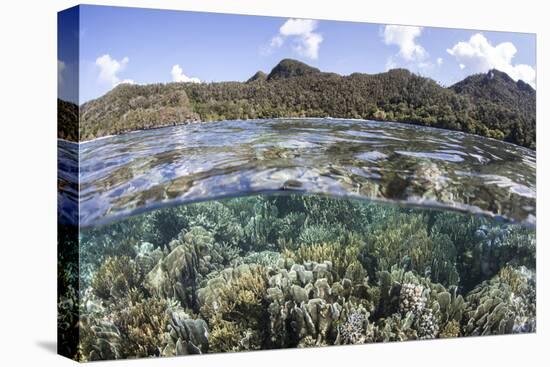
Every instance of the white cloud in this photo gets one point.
(60, 69)
(439, 61)
(179, 76)
(298, 27)
(302, 32)
(405, 38)
(478, 55)
(109, 69)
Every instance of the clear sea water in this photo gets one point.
(166, 213)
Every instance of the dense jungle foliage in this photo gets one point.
(491, 104)
(67, 120)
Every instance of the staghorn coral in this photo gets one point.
(260, 230)
(127, 327)
(404, 240)
(288, 226)
(317, 233)
(341, 257)
(264, 258)
(165, 224)
(116, 277)
(218, 219)
(224, 337)
(234, 303)
(502, 245)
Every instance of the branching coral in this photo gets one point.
(404, 240)
(135, 326)
(219, 220)
(341, 257)
(142, 323)
(234, 305)
(261, 228)
(116, 277)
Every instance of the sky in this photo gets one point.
(104, 46)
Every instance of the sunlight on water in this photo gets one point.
(123, 175)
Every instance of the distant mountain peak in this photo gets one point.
(288, 68)
(260, 75)
(493, 78)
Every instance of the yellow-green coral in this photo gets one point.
(404, 240)
(134, 327)
(238, 297)
(116, 277)
(514, 278)
(142, 324)
(450, 330)
(224, 337)
(341, 257)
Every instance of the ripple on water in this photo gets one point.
(125, 174)
(433, 155)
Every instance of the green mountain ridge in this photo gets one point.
(489, 104)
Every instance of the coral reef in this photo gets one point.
(193, 255)
(116, 277)
(502, 305)
(282, 271)
(343, 257)
(233, 303)
(185, 335)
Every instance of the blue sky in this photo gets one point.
(149, 46)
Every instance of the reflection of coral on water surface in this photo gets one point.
(282, 271)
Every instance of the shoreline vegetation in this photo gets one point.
(491, 104)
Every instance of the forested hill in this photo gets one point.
(489, 104)
(67, 120)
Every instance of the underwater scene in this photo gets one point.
(237, 236)
(286, 271)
